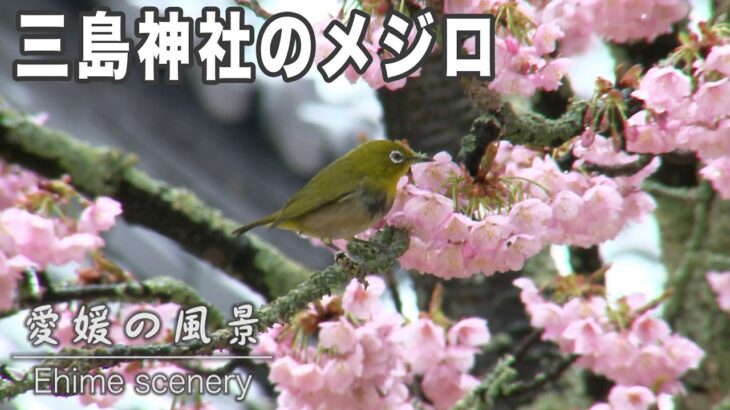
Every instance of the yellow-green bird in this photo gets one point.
(348, 196)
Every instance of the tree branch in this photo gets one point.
(621, 170)
(498, 383)
(172, 212)
(526, 128)
(490, 387)
(540, 379)
(255, 6)
(377, 255)
(686, 268)
(659, 189)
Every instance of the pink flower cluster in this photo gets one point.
(619, 21)
(634, 398)
(15, 184)
(367, 358)
(720, 284)
(450, 238)
(574, 19)
(527, 36)
(678, 116)
(443, 359)
(636, 350)
(623, 21)
(31, 238)
(523, 62)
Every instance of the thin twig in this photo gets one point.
(540, 379)
(682, 276)
(527, 343)
(393, 287)
(490, 386)
(628, 169)
(223, 370)
(679, 193)
(254, 6)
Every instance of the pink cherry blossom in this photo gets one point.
(644, 352)
(10, 274)
(100, 215)
(546, 37)
(339, 336)
(338, 376)
(524, 65)
(585, 335)
(639, 20)
(307, 377)
(718, 60)
(427, 211)
(469, 332)
(364, 302)
(663, 89)
(488, 234)
(434, 175)
(720, 284)
(373, 359)
(75, 247)
(574, 19)
(28, 234)
(555, 207)
(648, 330)
(718, 172)
(444, 385)
(711, 99)
(464, 6)
(631, 397)
(424, 342)
(15, 184)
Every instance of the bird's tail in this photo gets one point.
(263, 221)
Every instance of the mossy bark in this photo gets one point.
(173, 212)
(693, 309)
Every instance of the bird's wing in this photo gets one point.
(335, 180)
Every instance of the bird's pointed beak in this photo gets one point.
(419, 157)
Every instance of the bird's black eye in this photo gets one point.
(397, 157)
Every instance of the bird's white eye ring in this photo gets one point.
(397, 157)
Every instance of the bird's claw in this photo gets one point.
(344, 260)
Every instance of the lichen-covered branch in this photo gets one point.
(540, 379)
(683, 274)
(172, 212)
(525, 128)
(678, 193)
(500, 383)
(377, 255)
(490, 387)
(694, 229)
(630, 168)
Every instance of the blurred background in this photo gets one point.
(243, 148)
